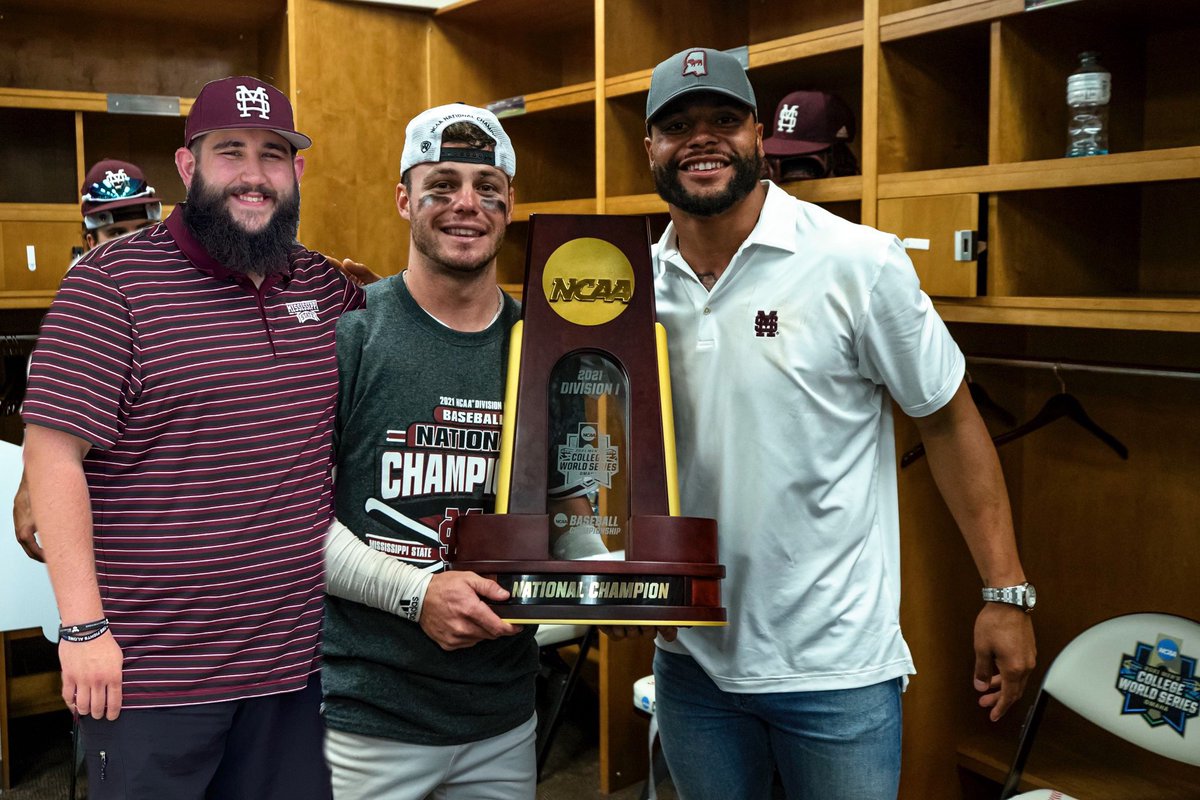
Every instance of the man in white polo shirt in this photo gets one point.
(791, 331)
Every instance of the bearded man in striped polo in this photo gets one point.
(178, 444)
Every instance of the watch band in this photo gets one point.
(1023, 595)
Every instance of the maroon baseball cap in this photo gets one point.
(110, 185)
(242, 102)
(809, 122)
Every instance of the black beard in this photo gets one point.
(746, 172)
(263, 253)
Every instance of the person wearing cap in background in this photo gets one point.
(790, 332)
(115, 200)
(178, 448)
(427, 691)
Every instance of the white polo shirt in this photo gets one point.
(782, 378)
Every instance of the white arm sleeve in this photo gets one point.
(354, 571)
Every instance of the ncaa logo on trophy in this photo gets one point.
(587, 525)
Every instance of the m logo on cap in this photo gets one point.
(695, 63)
(116, 180)
(787, 118)
(253, 100)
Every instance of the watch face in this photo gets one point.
(1030, 596)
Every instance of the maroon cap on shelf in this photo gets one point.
(112, 184)
(809, 122)
(242, 102)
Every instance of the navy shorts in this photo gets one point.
(257, 749)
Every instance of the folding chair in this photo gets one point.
(1134, 676)
(561, 679)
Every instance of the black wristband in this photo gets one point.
(83, 637)
(83, 632)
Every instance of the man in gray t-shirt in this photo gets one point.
(426, 689)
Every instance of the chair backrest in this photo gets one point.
(26, 599)
(552, 634)
(1135, 676)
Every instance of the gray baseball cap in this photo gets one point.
(698, 69)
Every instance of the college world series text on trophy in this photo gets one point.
(587, 524)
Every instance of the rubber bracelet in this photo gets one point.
(83, 637)
(83, 627)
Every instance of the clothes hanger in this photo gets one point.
(983, 401)
(1060, 406)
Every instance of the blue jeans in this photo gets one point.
(725, 746)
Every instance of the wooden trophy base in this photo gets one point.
(671, 576)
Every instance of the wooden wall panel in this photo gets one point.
(360, 77)
(637, 39)
(136, 57)
(937, 611)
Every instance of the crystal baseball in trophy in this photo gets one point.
(587, 525)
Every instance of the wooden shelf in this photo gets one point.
(551, 99)
(52, 100)
(1177, 163)
(826, 190)
(776, 51)
(39, 212)
(630, 83)
(1180, 315)
(635, 204)
(807, 45)
(940, 16)
(584, 205)
(26, 299)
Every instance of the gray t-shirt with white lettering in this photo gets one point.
(417, 437)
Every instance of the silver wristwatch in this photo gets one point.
(1022, 595)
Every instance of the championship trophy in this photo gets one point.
(587, 525)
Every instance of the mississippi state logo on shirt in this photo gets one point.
(304, 311)
(766, 323)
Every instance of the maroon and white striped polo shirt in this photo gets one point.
(209, 405)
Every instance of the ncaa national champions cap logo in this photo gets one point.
(695, 63)
(423, 139)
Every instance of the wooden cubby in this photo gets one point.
(933, 100)
(961, 116)
(45, 137)
(1146, 47)
(148, 141)
(56, 82)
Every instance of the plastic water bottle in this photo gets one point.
(1089, 88)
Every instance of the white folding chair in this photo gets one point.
(1130, 676)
